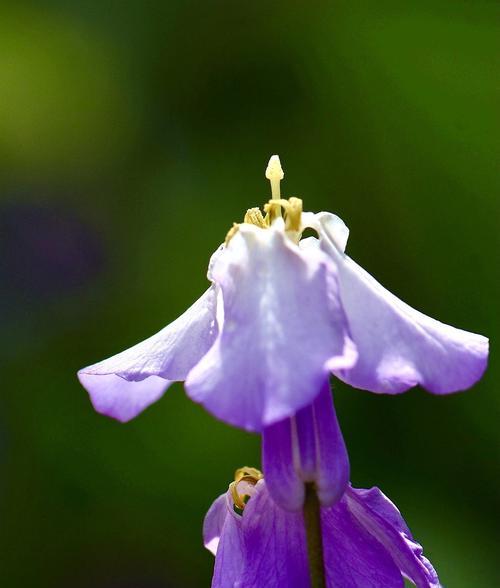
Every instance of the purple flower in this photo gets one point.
(256, 543)
(281, 315)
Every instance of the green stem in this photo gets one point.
(312, 521)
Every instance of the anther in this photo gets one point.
(293, 215)
(244, 474)
(254, 216)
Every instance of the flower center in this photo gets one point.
(292, 207)
(245, 479)
(293, 213)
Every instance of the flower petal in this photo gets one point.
(306, 441)
(308, 447)
(332, 473)
(229, 559)
(282, 325)
(353, 557)
(120, 399)
(282, 478)
(399, 347)
(125, 384)
(275, 551)
(337, 230)
(214, 523)
(381, 518)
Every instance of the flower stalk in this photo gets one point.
(312, 520)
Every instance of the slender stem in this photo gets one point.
(312, 520)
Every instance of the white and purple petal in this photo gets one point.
(398, 347)
(283, 329)
(125, 384)
(121, 399)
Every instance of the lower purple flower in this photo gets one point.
(366, 542)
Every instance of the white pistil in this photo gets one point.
(274, 173)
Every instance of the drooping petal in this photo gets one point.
(120, 399)
(353, 557)
(308, 447)
(283, 327)
(328, 222)
(381, 518)
(307, 444)
(274, 543)
(280, 466)
(125, 384)
(214, 523)
(332, 473)
(399, 347)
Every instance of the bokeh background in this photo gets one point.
(132, 134)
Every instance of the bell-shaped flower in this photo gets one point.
(365, 541)
(280, 316)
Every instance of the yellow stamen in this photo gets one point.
(293, 212)
(232, 232)
(244, 474)
(254, 216)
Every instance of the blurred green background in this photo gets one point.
(132, 134)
